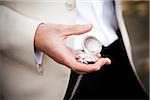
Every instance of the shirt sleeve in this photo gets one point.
(38, 59)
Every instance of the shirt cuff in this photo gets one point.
(38, 59)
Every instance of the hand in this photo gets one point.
(51, 38)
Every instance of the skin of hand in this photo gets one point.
(50, 39)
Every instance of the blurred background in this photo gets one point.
(136, 16)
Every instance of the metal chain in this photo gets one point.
(76, 86)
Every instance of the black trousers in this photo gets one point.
(115, 81)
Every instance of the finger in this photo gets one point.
(108, 61)
(70, 61)
(87, 68)
(83, 68)
(102, 61)
(77, 29)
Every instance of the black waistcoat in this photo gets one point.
(115, 81)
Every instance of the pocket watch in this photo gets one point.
(91, 47)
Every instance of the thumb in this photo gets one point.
(77, 29)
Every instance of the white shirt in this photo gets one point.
(101, 14)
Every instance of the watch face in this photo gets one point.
(92, 45)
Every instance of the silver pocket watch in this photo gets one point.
(91, 47)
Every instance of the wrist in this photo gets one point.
(37, 35)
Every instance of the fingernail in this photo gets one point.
(108, 60)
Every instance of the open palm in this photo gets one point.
(51, 39)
